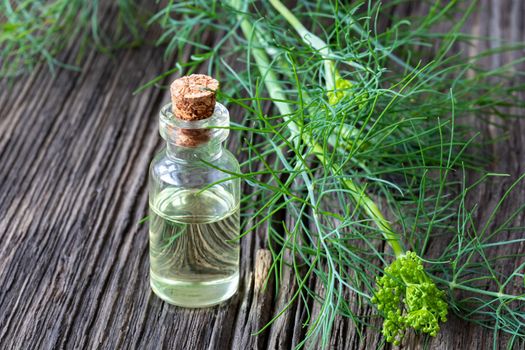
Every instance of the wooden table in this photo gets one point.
(75, 149)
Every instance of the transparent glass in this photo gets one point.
(194, 212)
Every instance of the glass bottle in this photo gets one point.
(194, 212)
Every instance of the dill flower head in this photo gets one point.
(408, 298)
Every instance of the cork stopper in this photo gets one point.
(193, 96)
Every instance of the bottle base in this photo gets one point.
(194, 294)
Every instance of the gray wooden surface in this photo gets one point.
(74, 153)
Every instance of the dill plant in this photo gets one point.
(367, 146)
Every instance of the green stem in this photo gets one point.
(275, 90)
(310, 39)
(371, 209)
(498, 295)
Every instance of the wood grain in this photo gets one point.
(74, 154)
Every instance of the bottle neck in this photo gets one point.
(194, 140)
(208, 151)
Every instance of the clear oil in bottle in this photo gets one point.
(194, 255)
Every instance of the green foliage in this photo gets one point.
(409, 299)
(390, 146)
(38, 31)
(391, 143)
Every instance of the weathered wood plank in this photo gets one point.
(74, 153)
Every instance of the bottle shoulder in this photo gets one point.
(228, 161)
(166, 170)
